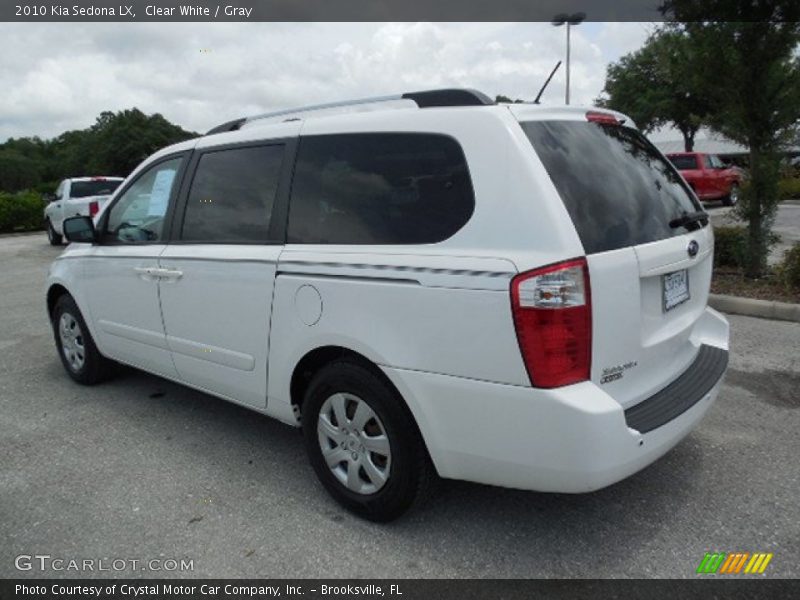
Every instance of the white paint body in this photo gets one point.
(435, 318)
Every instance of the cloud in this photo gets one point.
(61, 76)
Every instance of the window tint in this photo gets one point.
(684, 162)
(139, 214)
(707, 162)
(615, 185)
(232, 195)
(382, 188)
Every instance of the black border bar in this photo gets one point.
(359, 10)
(700, 587)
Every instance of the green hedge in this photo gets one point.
(789, 269)
(730, 246)
(22, 211)
(789, 189)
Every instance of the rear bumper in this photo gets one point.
(572, 439)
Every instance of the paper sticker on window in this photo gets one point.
(159, 196)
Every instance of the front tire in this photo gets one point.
(363, 442)
(53, 237)
(76, 348)
(733, 197)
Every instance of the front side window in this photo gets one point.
(684, 162)
(379, 188)
(232, 195)
(138, 216)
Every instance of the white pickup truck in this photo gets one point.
(77, 196)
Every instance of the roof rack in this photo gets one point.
(425, 99)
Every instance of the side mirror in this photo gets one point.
(79, 229)
(48, 197)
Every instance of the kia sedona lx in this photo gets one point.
(428, 285)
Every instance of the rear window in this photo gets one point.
(615, 185)
(684, 162)
(379, 188)
(98, 187)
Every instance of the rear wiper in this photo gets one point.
(699, 216)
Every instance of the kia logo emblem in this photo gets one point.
(693, 248)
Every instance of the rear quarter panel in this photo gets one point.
(453, 320)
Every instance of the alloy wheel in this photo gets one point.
(72, 345)
(354, 443)
(734, 196)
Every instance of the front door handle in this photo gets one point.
(169, 274)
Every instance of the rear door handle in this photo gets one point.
(146, 273)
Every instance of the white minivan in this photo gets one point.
(428, 284)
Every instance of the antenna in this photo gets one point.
(541, 91)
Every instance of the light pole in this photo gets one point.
(573, 19)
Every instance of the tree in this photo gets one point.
(748, 69)
(121, 141)
(18, 171)
(656, 86)
(505, 99)
(114, 145)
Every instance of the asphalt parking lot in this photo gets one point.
(141, 468)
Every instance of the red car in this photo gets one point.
(708, 176)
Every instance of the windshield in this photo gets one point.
(95, 187)
(616, 186)
(684, 162)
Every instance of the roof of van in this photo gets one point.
(288, 122)
(442, 98)
(424, 99)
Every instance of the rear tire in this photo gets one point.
(76, 348)
(371, 457)
(733, 197)
(53, 237)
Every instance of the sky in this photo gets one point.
(59, 76)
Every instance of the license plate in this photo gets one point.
(676, 289)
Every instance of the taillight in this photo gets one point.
(94, 208)
(552, 309)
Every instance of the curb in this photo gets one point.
(764, 309)
(20, 233)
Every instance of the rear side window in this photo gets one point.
(232, 195)
(684, 162)
(615, 185)
(381, 188)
